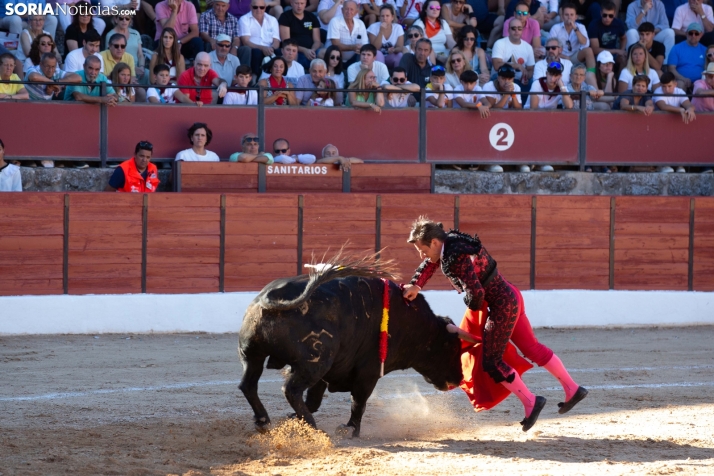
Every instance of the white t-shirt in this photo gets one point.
(472, 98)
(545, 101)
(398, 100)
(558, 31)
(75, 61)
(167, 97)
(10, 179)
(337, 29)
(413, 8)
(522, 53)
(626, 77)
(378, 68)
(326, 5)
(306, 159)
(189, 155)
(325, 102)
(390, 42)
(489, 91)
(438, 41)
(542, 65)
(250, 98)
(435, 95)
(295, 70)
(260, 34)
(669, 100)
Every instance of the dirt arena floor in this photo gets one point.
(169, 404)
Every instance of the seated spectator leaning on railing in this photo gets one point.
(687, 59)
(45, 75)
(181, 16)
(74, 61)
(640, 102)
(277, 68)
(250, 147)
(91, 94)
(330, 155)
(201, 74)
(121, 78)
(260, 32)
(10, 177)
(372, 100)
(437, 95)
(200, 136)
(312, 80)
(550, 86)
(163, 93)
(137, 174)
(578, 84)
(400, 91)
(677, 105)
(303, 27)
(283, 155)
(470, 99)
(705, 87)
(10, 90)
(238, 94)
(222, 61)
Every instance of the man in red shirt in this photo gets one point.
(201, 74)
(137, 174)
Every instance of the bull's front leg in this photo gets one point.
(252, 370)
(360, 394)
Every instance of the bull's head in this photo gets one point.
(440, 365)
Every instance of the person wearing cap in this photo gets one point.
(250, 147)
(516, 53)
(650, 12)
(694, 12)
(573, 36)
(222, 61)
(437, 95)
(503, 93)
(217, 21)
(705, 87)
(553, 52)
(656, 51)
(605, 76)
(137, 174)
(550, 86)
(607, 33)
(686, 60)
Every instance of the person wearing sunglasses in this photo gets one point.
(122, 25)
(458, 14)
(687, 59)
(466, 43)
(182, 17)
(222, 61)
(137, 174)
(651, 12)
(37, 25)
(401, 90)
(574, 37)
(250, 147)
(436, 29)
(515, 52)
(260, 32)
(42, 44)
(455, 65)
(553, 52)
(608, 33)
(695, 11)
(115, 54)
(335, 68)
(217, 21)
(283, 155)
(550, 88)
(531, 28)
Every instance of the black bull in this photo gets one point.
(327, 332)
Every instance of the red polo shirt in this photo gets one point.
(186, 83)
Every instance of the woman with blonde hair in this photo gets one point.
(637, 64)
(455, 65)
(366, 79)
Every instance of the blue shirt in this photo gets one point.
(689, 60)
(85, 89)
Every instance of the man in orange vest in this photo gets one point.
(137, 174)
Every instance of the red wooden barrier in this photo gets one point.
(572, 243)
(663, 138)
(503, 222)
(50, 129)
(391, 178)
(31, 243)
(223, 177)
(105, 233)
(261, 240)
(704, 244)
(651, 243)
(533, 137)
(166, 127)
(298, 178)
(391, 135)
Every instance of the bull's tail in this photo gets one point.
(339, 266)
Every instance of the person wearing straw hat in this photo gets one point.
(704, 87)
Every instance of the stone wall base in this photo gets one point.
(58, 179)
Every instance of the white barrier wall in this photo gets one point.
(223, 312)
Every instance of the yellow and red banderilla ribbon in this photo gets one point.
(384, 327)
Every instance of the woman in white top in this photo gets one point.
(133, 41)
(436, 29)
(466, 42)
(637, 63)
(387, 37)
(455, 65)
(335, 71)
(200, 136)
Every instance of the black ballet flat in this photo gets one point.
(530, 421)
(565, 407)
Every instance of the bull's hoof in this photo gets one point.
(262, 425)
(345, 431)
(292, 416)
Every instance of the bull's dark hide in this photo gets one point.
(328, 335)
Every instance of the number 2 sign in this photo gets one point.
(501, 136)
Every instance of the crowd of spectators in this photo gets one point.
(474, 54)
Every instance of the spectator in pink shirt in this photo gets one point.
(531, 29)
(705, 87)
(181, 16)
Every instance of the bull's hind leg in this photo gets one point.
(252, 370)
(294, 387)
(314, 396)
